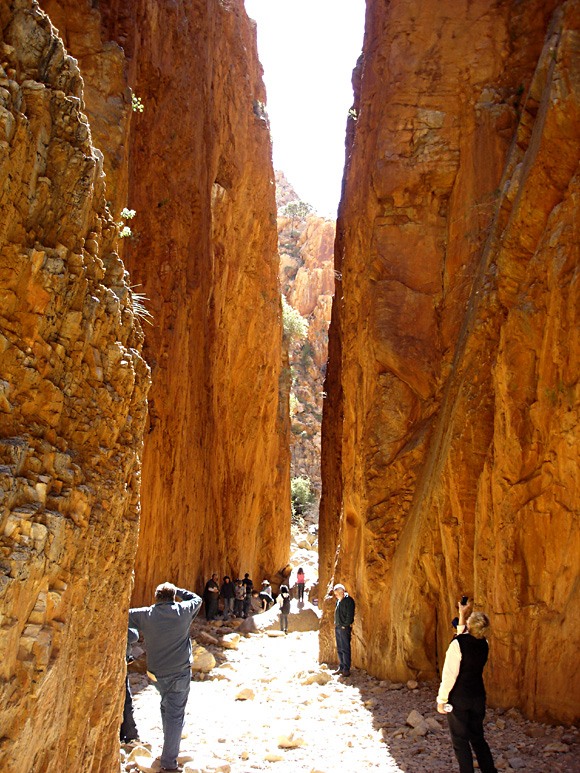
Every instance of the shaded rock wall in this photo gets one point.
(72, 413)
(196, 167)
(450, 435)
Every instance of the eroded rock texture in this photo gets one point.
(450, 441)
(72, 413)
(215, 493)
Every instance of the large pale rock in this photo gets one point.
(451, 441)
(302, 617)
(203, 660)
(73, 392)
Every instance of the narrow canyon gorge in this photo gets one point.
(145, 430)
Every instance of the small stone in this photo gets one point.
(500, 724)
(516, 763)
(535, 732)
(414, 719)
(290, 741)
(557, 746)
(231, 641)
(412, 684)
(270, 757)
(246, 695)
(396, 686)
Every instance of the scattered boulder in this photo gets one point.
(271, 757)
(231, 641)
(203, 660)
(415, 719)
(206, 638)
(290, 741)
(246, 694)
(320, 676)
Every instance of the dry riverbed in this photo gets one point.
(297, 717)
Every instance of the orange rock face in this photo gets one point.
(195, 165)
(73, 392)
(450, 436)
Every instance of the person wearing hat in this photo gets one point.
(343, 620)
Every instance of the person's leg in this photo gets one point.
(340, 644)
(477, 738)
(458, 720)
(347, 634)
(281, 621)
(128, 726)
(174, 693)
(285, 623)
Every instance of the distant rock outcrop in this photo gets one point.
(73, 390)
(452, 424)
(306, 275)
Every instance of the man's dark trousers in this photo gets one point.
(174, 691)
(466, 728)
(342, 634)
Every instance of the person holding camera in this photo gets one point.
(165, 628)
(462, 693)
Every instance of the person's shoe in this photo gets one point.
(177, 769)
(338, 671)
(346, 673)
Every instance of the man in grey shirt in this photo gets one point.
(165, 627)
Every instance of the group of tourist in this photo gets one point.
(165, 626)
(240, 599)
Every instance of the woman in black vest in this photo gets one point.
(462, 688)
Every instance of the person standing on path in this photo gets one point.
(228, 595)
(343, 620)
(249, 587)
(463, 689)
(211, 594)
(284, 603)
(300, 580)
(165, 628)
(128, 731)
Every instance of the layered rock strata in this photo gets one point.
(73, 392)
(195, 165)
(451, 431)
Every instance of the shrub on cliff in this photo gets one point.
(294, 324)
(302, 495)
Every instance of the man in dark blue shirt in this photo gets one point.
(165, 627)
(343, 620)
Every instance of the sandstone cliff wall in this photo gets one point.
(450, 436)
(72, 413)
(195, 165)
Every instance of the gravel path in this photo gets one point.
(348, 725)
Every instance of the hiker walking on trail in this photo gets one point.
(343, 620)
(165, 628)
(462, 692)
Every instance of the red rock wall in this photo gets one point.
(450, 435)
(72, 414)
(196, 167)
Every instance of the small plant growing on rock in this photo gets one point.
(124, 230)
(136, 105)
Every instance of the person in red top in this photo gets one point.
(300, 580)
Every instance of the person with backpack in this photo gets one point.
(462, 693)
(284, 603)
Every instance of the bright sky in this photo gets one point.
(308, 49)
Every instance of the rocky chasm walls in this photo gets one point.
(451, 429)
(73, 392)
(196, 167)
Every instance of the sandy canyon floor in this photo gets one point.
(349, 725)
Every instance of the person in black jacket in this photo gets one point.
(343, 620)
(463, 690)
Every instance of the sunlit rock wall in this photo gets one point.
(196, 167)
(72, 413)
(451, 429)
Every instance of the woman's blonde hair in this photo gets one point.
(478, 624)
